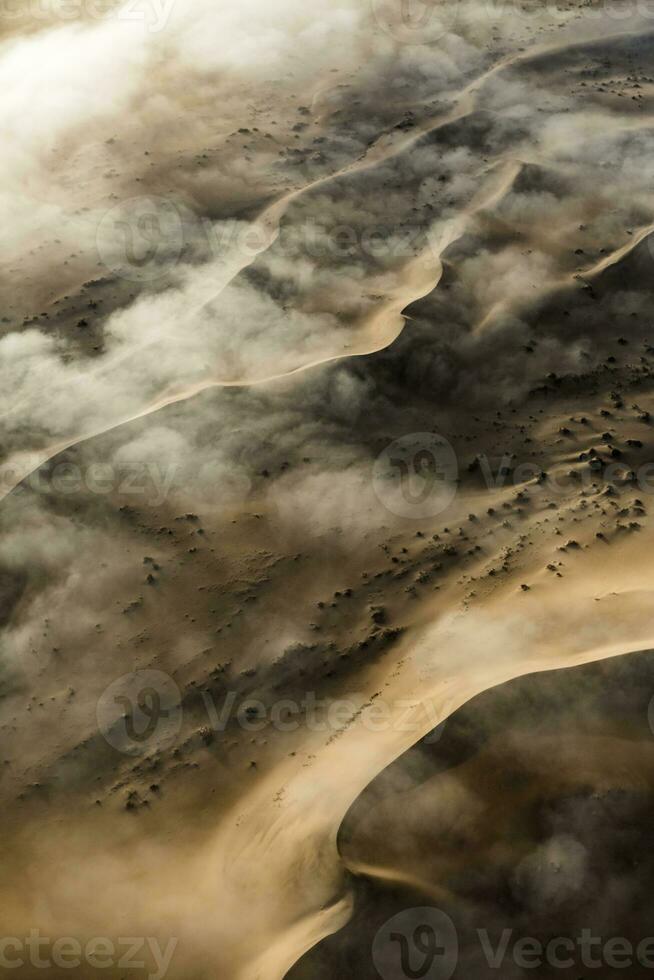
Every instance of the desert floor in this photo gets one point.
(327, 465)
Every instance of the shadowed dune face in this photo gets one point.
(326, 404)
(524, 819)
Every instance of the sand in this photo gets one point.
(202, 481)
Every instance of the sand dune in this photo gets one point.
(349, 438)
(82, 396)
(526, 829)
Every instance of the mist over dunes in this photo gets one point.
(326, 473)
